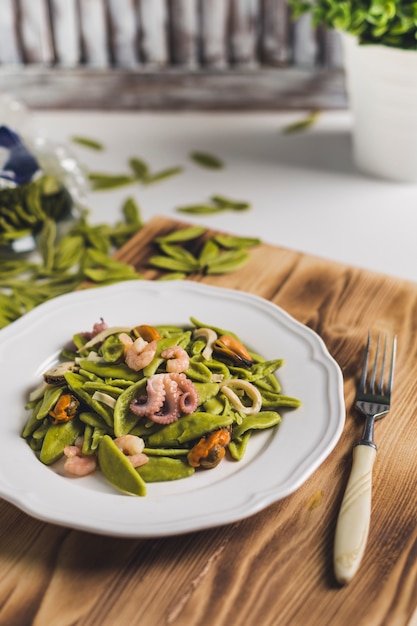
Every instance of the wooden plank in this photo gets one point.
(305, 48)
(65, 31)
(265, 89)
(276, 566)
(35, 31)
(154, 32)
(124, 32)
(275, 44)
(243, 32)
(332, 50)
(94, 33)
(187, 33)
(214, 43)
(183, 17)
(10, 53)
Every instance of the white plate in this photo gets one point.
(277, 462)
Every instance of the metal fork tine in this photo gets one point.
(362, 381)
(391, 369)
(381, 377)
(373, 375)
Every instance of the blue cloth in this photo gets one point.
(21, 165)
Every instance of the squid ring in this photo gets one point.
(251, 391)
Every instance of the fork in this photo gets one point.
(373, 402)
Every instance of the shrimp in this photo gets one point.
(132, 446)
(77, 463)
(178, 359)
(140, 353)
(126, 340)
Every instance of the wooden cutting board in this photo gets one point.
(274, 568)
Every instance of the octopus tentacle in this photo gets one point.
(188, 398)
(169, 412)
(97, 328)
(155, 397)
(168, 395)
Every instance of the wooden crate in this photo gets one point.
(194, 53)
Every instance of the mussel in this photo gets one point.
(56, 375)
(234, 350)
(148, 333)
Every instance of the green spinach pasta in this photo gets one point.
(152, 403)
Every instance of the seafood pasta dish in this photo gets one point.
(152, 403)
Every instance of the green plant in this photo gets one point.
(387, 22)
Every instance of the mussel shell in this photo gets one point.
(56, 375)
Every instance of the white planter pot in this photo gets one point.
(382, 89)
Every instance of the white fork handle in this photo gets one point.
(354, 515)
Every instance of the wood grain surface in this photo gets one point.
(173, 89)
(275, 567)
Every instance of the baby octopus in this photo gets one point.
(168, 395)
(97, 328)
(138, 353)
